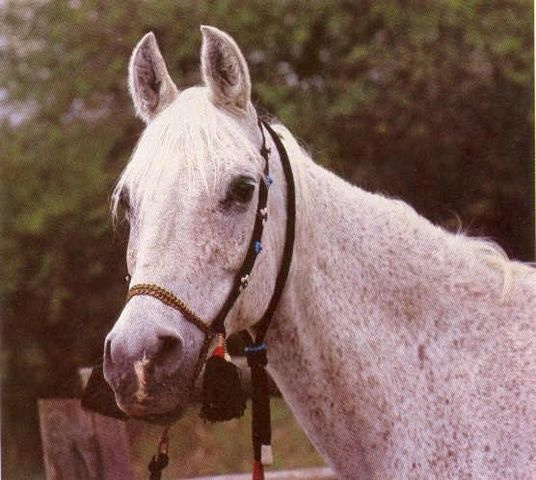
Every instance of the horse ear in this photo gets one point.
(225, 70)
(150, 85)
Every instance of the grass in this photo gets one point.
(198, 448)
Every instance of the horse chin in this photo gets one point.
(162, 418)
(154, 415)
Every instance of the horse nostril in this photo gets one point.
(169, 349)
(108, 351)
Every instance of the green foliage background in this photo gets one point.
(431, 102)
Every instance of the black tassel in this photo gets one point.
(222, 396)
(99, 397)
(156, 465)
(260, 404)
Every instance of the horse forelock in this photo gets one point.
(192, 142)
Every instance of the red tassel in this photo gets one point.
(218, 352)
(258, 470)
(219, 349)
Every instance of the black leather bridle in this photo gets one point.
(242, 276)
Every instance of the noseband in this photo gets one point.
(167, 298)
(256, 347)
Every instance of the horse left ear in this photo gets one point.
(225, 70)
(150, 85)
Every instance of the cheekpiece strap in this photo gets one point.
(262, 325)
(241, 280)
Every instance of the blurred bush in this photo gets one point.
(431, 102)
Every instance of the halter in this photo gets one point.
(242, 276)
(256, 348)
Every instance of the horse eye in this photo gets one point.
(241, 189)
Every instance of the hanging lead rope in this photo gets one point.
(161, 459)
(261, 429)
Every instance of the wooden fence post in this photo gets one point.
(82, 445)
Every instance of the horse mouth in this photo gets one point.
(139, 411)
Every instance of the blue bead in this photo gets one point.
(256, 348)
(269, 179)
(258, 246)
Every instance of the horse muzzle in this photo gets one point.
(149, 359)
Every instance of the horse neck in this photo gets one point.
(384, 316)
(357, 252)
(367, 275)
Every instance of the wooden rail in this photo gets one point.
(321, 473)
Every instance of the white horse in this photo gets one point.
(404, 351)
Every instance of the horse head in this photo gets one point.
(189, 194)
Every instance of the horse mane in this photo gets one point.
(471, 250)
(191, 135)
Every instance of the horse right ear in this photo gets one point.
(149, 83)
(225, 70)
